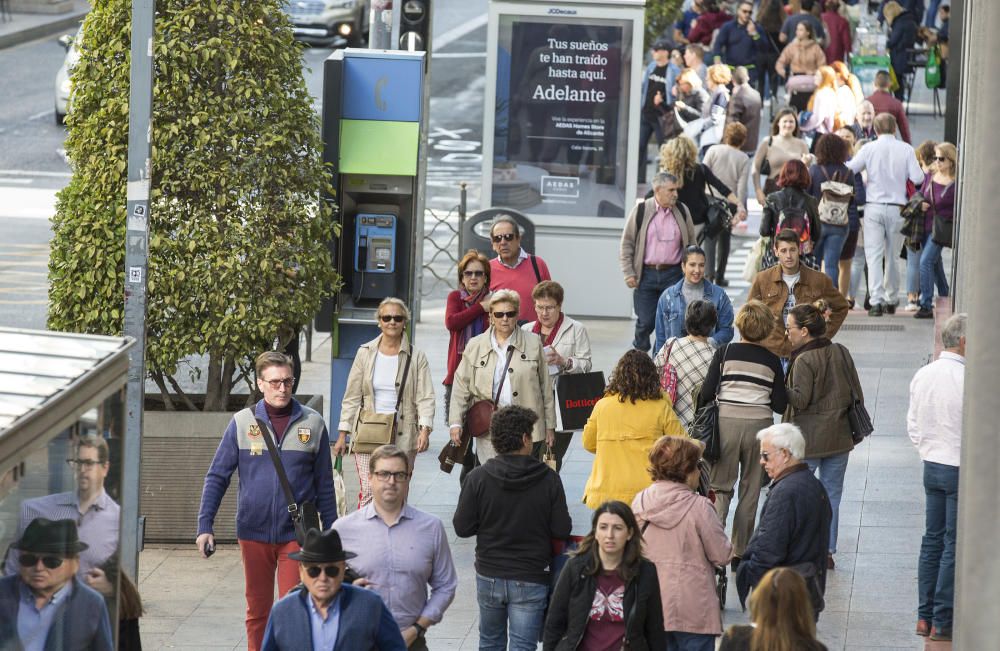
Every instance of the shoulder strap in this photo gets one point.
(402, 385)
(279, 468)
(534, 264)
(639, 215)
(670, 346)
(850, 381)
(503, 377)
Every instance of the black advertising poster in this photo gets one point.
(561, 125)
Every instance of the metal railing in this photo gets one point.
(449, 251)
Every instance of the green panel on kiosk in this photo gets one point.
(379, 147)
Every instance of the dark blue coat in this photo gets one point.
(735, 46)
(365, 623)
(80, 624)
(794, 529)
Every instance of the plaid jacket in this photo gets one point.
(691, 360)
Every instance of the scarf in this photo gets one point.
(547, 341)
(815, 344)
(476, 326)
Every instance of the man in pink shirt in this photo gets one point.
(656, 233)
(514, 268)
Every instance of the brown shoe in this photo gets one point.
(923, 628)
(830, 565)
(940, 636)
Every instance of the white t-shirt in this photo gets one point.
(384, 382)
(791, 281)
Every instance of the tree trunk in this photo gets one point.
(168, 403)
(213, 384)
(188, 404)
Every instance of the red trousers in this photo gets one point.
(260, 560)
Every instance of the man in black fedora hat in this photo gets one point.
(325, 613)
(44, 607)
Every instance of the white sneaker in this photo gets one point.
(911, 307)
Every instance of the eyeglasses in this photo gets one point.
(31, 560)
(545, 308)
(506, 237)
(287, 382)
(505, 315)
(474, 274)
(398, 318)
(384, 475)
(86, 463)
(332, 571)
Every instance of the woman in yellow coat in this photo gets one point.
(633, 414)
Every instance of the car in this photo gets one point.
(337, 22)
(68, 41)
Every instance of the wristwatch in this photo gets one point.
(421, 631)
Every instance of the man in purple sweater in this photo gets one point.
(263, 524)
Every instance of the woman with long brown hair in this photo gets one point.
(781, 615)
(607, 595)
(623, 427)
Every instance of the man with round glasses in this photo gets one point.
(264, 525)
(401, 550)
(89, 506)
(325, 614)
(44, 605)
(514, 268)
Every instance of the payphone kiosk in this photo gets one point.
(373, 113)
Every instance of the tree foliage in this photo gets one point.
(238, 233)
(660, 17)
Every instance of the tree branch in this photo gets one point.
(168, 403)
(180, 394)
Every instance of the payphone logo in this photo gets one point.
(379, 102)
(560, 186)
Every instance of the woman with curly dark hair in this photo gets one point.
(832, 152)
(608, 595)
(623, 427)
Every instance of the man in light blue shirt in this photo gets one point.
(890, 163)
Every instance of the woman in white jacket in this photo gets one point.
(565, 342)
(373, 384)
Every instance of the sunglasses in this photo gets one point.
(940, 159)
(288, 382)
(506, 237)
(331, 571)
(473, 274)
(398, 318)
(505, 315)
(31, 560)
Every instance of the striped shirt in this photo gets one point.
(752, 382)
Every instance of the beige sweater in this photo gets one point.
(800, 58)
(778, 150)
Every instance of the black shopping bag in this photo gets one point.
(576, 394)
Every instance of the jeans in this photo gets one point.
(882, 245)
(678, 641)
(508, 607)
(644, 298)
(857, 270)
(936, 570)
(828, 248)
(647, 129)
(831, 475)
(931, 272)
(715, 268)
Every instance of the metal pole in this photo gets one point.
(463, 209)
(954, 101)
(136, 267)
(977, 587)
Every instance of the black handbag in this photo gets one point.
(857, 416)
(717, 219)
(305, 516)
(942, 230)
(705, 427)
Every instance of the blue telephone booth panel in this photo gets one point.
(382, 88)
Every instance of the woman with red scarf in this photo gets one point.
(565, 342)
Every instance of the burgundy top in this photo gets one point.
(941, 198)
(456, 317)
(606, 626)
(886, 103)
(279, 418)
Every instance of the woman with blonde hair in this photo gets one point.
(717, 80)
(679, 157)
(849, 93)
(939, 190)
(382, 367)
(823, 116)
(781, 617)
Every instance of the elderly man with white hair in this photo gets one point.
(794, 526)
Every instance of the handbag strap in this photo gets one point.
(850, 382)
(402, 385)
(510, 355)
(279, 468)
(670, 346)
(722, 367)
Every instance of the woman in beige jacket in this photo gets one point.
(373, 382)
(527, 382)
(801, 58)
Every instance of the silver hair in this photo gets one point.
(953, 330)
(505, 219)
(740, 74)
(866, 105)
(785, 436)
(662, 178)
(505, 296)
(392, 300)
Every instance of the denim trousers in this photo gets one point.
(508, 608)
(831, 475)
(936, 569)
(931, 273)
(828, 248)
(678, 641)
(644, 298)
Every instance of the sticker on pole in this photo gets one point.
(135, 275)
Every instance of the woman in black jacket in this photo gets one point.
(902, 39)
(679, 157)
(607, 593)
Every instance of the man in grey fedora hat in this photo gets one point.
(325, 613)
(44, 607)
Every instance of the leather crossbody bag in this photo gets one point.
(373, 429)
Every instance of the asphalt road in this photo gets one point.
(33, 167)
